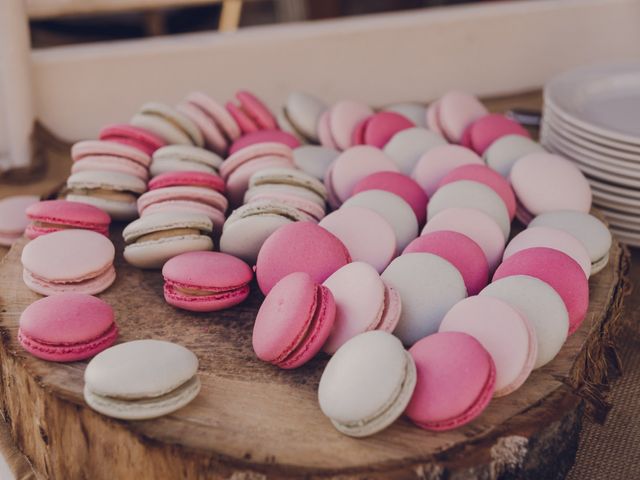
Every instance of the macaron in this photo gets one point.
(589, 230)
(115, 193)
(67, 327)
(428, 286)
(438, 161)
(456, 379)
(401, 185)
(247, 228)
(183, 158)
(301, 114)
(393, 209)
(483, 174)
(13, 217)
(132, 136)
(353, 165)
(187, 178)
(486, 130)
(336, 124)
(470, 194)
(407, 146)
(367, 384)
(157, 237)
(218, 127)
(558, 270)
(432, 120)
(250, 113)
(544, 182)
(79, 261)
(187, 199)
(299, 247)
(174, 127)
(363, 303)
(458, 249)
(367, 235)
(503, 331)
(303, 184)
(541, 305)
(415, 112)
(298, 198)
(550, 238)
(205, 281)
(455, 112)
(294, 321)
(264, 136)
(505, 151)
(379, 128)
(475, 224)
(53, 215)
(141, 379)
(109, 156)
(314, 159)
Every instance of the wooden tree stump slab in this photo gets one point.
(253, 421)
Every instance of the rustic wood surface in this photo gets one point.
(252, 420)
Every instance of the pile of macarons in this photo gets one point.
(379, 237)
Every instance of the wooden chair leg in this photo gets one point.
(230, 15)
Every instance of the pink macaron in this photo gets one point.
(558, 270)
(503, 331)
(456, 378)
(454, 112)
(460, 250)
(187, 178)
(402, 185)
(378, 129)
(67, 327)
(251, 114)
(13, 217)
(136, 137)
(218, 127)
(294, 321)
(205, 281)
(109, 156)
(487, 176)
(486, 130)
(264, 136)
(299, 247)
(337, 124)
(53, 215)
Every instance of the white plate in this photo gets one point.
(621, 192)
(627, 220)
(620, 204)
(625, 237)
(602, 98)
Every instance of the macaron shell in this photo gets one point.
(558, 270)
(191, 193)
(343, 118)
(415, 112)
(161, 166)
(244, 121)
(503, 332)
(238, 180)
(110, 164)
(407, 146)
(299, 246)
(262, 136)
(382, 126)
(324, 132)
(118, 210)
(490, 128)
(91, 286)
(289, 198)
(190, 154)
(176, 124)
(161, 127)
(216, 112)
(257, 110)
(253, 152)
(188, 207)
(154, 254)
(304, 111)
(187, 178)
(132, 136)
(456, 111)
(86, 148)
(433, 118)
(213, 136)
(505, 151)
(66, 213)
(244, 238)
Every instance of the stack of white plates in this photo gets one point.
(592, 116)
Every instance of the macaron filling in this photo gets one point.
(522, 214)
(317, 190)
(391, 410)
(391, 309)
(94, 283)
(599, 264)
(172, 232)
(99, 342)
(184, 292)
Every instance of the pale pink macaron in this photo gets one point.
(432, 120)
(67, 327)
(551, 238)
(353, 165)
(460, 250)
(337, 124)
(367, 235)
(109, 156)
(136, 137)
(299, 247)
(402, 185)
(487, 176)
(378, 129)
(557, 269)
(253, 152)
(264, 136)
(505, 333)
(456, 379)
(251, 114)
(486, 130)
(206, 281)
(53, 215)
(294, 321)
(13, 217)
(455, 111)
(187, 178)
(438, 162)
(216, 123)
(363, 303)
(78, 261)
(476, 225)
